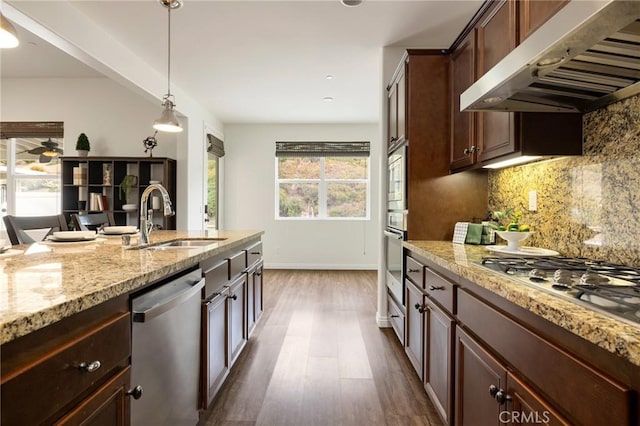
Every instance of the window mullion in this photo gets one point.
(322, 191)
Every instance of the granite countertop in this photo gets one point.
(618, 337)
(43, 283)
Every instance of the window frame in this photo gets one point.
(322, 192)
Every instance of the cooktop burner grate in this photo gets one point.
(603, 286)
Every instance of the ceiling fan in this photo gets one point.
(47, 151)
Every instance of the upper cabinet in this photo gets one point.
(397, 108)
(481, 138)
(534, 13)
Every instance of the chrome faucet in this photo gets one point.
(146, 216)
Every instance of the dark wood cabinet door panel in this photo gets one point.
(498, 135)
(526, 407)
(402, 132)
(462, 123)
(439, 289)
(254, 253)
(237, 316)
(439, 335)
(415, 272)
(534, 13)
(392, 116)
(476, 372)
(414, 327)
(215, 358)
(258, 284)
(396, 318)
(107, 406)
(566, 386)
(497, 34)
(251, 294)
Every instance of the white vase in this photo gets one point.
(82, 152)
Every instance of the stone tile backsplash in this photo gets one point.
(588, 205)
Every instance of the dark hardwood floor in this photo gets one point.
(317, 357)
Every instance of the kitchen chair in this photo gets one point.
(17, 225)
(92, 221)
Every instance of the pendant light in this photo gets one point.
(168, 122)
(8, 34)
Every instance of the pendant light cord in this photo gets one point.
(169, 56)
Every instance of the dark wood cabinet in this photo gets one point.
(392, 116)
(534, 13)
(478, 376)
(103, 176)
(215, 351)
(107, 406)
(236, 299)
(414, 328)
(525, 402)
(481, 138)
(258, 285)
(438, 360)
(75, 371)
(396, 108)
(463, 124)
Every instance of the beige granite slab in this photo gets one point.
(616, 336)
(48, 283)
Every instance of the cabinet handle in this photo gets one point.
(258, 274)
(90, 367)
(255, 252)
(466, 151)
(234, 297)
(395, 316)
(413, 271)
(136, 392)
(393, 139)
(493, 390)
(502, 397)
(434, 287)
(420, 308)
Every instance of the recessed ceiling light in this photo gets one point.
(328, 99)
(351, 3)
(329, 77)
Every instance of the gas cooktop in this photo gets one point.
(606, 287)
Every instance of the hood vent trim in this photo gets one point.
(585, 57)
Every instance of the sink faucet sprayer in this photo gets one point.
(146, 216)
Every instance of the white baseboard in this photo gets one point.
(383, 321)
(323, 266)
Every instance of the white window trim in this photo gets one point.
(322, 195)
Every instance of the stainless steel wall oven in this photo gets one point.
(396, 224)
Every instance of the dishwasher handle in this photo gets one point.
(168, 302)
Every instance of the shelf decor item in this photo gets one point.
(82, 145)
(107, 174)
(127, 184)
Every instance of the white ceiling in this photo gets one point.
(266, 61)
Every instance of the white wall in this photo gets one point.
(114, 119)
(250, 199)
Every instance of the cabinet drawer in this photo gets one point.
(439, 289)
(579, 391)
(415, 272)
(237, 264)
(216, 277)
(254, 253)
(397, 319)
(40, 390)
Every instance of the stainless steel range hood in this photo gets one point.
(586, 56)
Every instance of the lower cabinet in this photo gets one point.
(236, 299)
(438, 360)
(414, 327)
(215, 353)
(108, 406)
(254, 295)
(488, 394)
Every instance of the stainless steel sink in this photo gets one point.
(182, 244)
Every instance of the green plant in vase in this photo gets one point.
(82, 145)
(126, 185)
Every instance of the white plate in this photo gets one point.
(119, 230)
(154, 181)
(523, 251)
(54, 242)
(73, 235)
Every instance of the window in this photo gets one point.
(215, 151)
(322, 180)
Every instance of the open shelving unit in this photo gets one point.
(93, 171)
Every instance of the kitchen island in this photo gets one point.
(46, 283)
(67, 322)
(489, 347)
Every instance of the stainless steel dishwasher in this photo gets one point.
(165, 357)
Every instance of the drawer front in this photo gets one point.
(578, 390)
(415, 272)
(397, 319)
(237, 264)
(254, 253)
(37, 393)
(216, 277)
(440, 289)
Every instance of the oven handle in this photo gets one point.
(393, 235)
